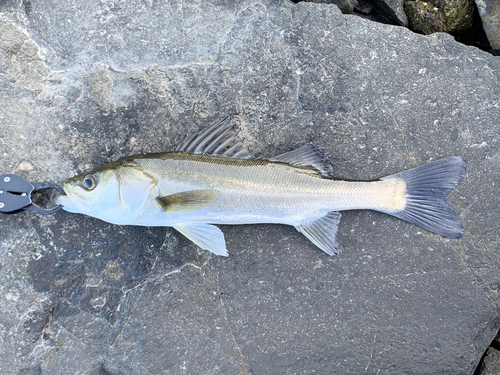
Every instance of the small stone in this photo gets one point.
(25, 166)
(113, 270)
(12, 294)
(98, 302)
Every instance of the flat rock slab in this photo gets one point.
(88, 82)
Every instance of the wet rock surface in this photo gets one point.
(86, 83)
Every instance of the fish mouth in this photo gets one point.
(71, 201)
(62, 199)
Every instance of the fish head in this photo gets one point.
(117, 192)
(93, 193)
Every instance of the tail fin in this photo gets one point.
(426, 189)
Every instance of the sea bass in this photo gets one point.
(211, 178)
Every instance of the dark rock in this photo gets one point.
(491, 362)
(84, 83)
(364, 6)
(393, 9)
(489, 10)
(433, 16)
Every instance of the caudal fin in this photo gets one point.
(426, 190)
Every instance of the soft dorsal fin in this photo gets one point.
(219, 139)
(311, 157)
(186, 200)
(322, 231)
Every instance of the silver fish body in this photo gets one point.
(212, 179)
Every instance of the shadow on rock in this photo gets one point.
(89, 266)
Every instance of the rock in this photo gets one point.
(491, 362)
(346, 6)
(489, 11)
(25, 166)
(364, 6)
(433, 16)
(392, 9)
(84, 83)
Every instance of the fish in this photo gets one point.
(211, 178)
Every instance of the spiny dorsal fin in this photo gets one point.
(322, 231)
(219, 139)
(206, 236)
(310, 157)
(186, 200)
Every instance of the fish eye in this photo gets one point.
(89, 182)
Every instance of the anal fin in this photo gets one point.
(206, 236)
(322, 231)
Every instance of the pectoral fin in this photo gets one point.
(187, 200)
(206, 236)
(322, 231)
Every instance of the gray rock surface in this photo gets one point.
(346, 6)
(82, 83)
(489, 10)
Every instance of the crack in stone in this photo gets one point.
(25, 237)
(371, 352)
(125, 293)
(144, 284)
(477, 278)
(240, 352)
(297, 74)
(396, 124)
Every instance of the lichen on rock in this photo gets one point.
(432, 16)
